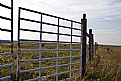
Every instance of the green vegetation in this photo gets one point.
(106, 64)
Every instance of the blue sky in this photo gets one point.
(104, 16)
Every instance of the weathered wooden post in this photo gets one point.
(90, 45)
(96, 46)
(83, 34)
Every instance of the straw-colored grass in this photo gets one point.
(106, 65)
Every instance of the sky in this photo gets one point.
(104, 16)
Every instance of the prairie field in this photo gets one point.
(106, 65)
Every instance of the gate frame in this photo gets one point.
(11, 74)
(40, 41)
(83, 45)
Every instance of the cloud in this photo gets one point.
(107, 10)
(104, 10)
(95, 9)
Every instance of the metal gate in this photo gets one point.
(49, 47)
(6, 45)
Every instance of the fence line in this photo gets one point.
(57, 49)
(6, 53)
(92, 49)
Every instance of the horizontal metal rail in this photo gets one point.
(47, 41)
(35, 69)
(3, 78)
(68, 64)
(6, 53)
(6, 65)
(54, 58)
(30, 30)
(5, 6)
(7, 30)
(60, 49)
(43, 68)
(36, 50)
(33, 79)
(30, 60)
(48, 15)
(5, 18)
(23, 41)
(30, 20)
(35, 21)
(30, 50)
(52, 75)
(5, 41)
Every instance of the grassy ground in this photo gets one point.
(46, 63)
(106, 65)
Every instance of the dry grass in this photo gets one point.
(105, 67)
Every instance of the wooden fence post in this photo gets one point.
(90, 45)
(83, 34)
(96, 46)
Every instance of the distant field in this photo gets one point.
(105, 67)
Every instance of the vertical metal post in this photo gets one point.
(12, 56)
(81, 55)
(57, 51)
(40, 55)
(71, 51)
(90, 45)
(18, 46)
(83, 33)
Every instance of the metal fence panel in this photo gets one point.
(49, 45)
(6, 55)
